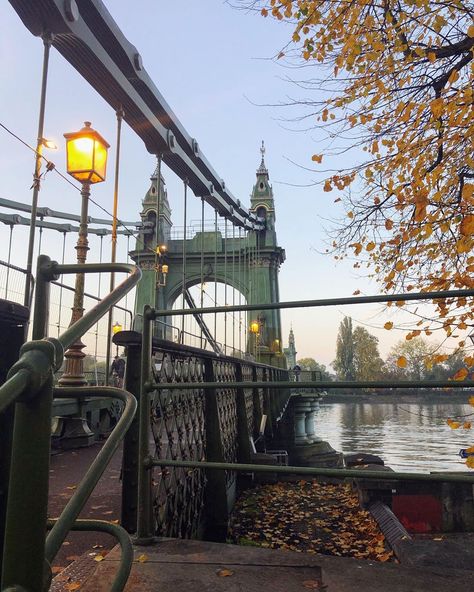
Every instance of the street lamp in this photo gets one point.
(161, 268)
(255, 329)
(116, 328)
(86, 162)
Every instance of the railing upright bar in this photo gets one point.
(86, 486)
(23, 556)
(144, 516)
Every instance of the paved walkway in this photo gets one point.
(183, 566)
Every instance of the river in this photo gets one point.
(408, 437)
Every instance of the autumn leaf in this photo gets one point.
(471, 401)
(402, 362)
(142, 558)
(98, 558)
(225, 573)
(370, 246)
(470, 462)
(466, 425)
(461, 374)
(466, 227)
(317, 158)
(388, 325)
(312, 584)
(454, 425)
(71, 586)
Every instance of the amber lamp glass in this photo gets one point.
(254, 327)
(116, 328)
(86, 155)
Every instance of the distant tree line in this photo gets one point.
(358, 359)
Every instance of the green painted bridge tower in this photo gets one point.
(248, 261)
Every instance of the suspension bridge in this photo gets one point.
(196, 403)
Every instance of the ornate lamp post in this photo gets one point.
(86, 162)
(116, 328)
(160, 267)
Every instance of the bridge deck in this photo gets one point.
(180, 566)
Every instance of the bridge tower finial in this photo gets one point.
(262, 169)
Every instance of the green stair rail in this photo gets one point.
(26, 555)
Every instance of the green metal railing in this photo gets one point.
(146, 462)
(26, 554)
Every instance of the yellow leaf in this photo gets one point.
(399, 266)
(327, 186)
(98, 558)
(370, 246)
(317, 158)
(470, 462)
(388, 325)
(225, 573)
(71, 586)
(402, 362)
(142, 558)
(471, 401)
(466, 227)
(461, 374)
(388, 224)
(470, 31)
(466, 425)
(454, 425)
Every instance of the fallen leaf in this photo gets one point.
(98, 558)
(312, 584)
(225, 573)
(142, 558)
(72, 586)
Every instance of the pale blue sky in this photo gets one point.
(211, 63)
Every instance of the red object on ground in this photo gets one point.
(418, 513)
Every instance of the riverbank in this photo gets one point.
(402, 396)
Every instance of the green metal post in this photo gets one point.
(130, 444)
(243, 432)
(145, 529)
(24, 552)
(257, 410)
(216, 490)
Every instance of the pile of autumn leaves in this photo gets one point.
(310, 517)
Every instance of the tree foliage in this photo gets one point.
(417, 359)
(367, 361)
(397, 82)
(312, 365)
(357, 353)
(344, 362)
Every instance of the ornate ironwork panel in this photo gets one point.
(178, 428)
(225, 371)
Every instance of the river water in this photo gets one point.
(408, 437)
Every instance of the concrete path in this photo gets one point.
(183, 566)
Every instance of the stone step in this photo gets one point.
(174, 565)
